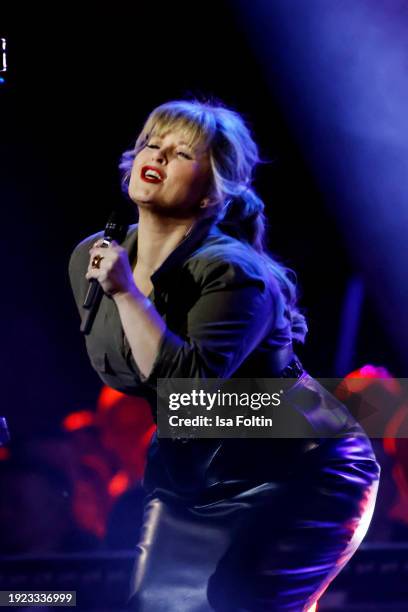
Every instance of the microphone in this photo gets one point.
(116, 229)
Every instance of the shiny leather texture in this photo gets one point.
(267, 538)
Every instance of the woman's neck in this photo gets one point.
(157, 238)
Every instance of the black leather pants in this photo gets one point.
(272, 547)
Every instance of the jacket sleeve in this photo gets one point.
(234, 312)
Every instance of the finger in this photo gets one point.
(115, 247)
(95, 250)
(100, 243)
(96, 271)
(97, 243)
(96, 262)
(101, 251)
(91, 273)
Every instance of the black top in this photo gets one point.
(225, 316)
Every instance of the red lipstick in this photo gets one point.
(152, 174)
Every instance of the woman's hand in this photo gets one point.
(113, 273)
(142, 324)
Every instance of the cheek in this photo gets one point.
(195, 179)
(135, 166)
(139, 161)
(134, 173)
(200, 183)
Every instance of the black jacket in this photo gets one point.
(225, 316)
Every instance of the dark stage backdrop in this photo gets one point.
(80, 83)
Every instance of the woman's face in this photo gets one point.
(168, 175)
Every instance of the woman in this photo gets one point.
(234, 524)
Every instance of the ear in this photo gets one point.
(205, 203)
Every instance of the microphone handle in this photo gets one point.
(95, 294)
(90, 294)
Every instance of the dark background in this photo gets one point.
(79, 86)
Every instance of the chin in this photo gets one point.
(139, 196)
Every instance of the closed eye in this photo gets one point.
(185, 155)
(182, 153)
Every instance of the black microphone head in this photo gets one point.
(118, 224)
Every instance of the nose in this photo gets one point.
(158, 155)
